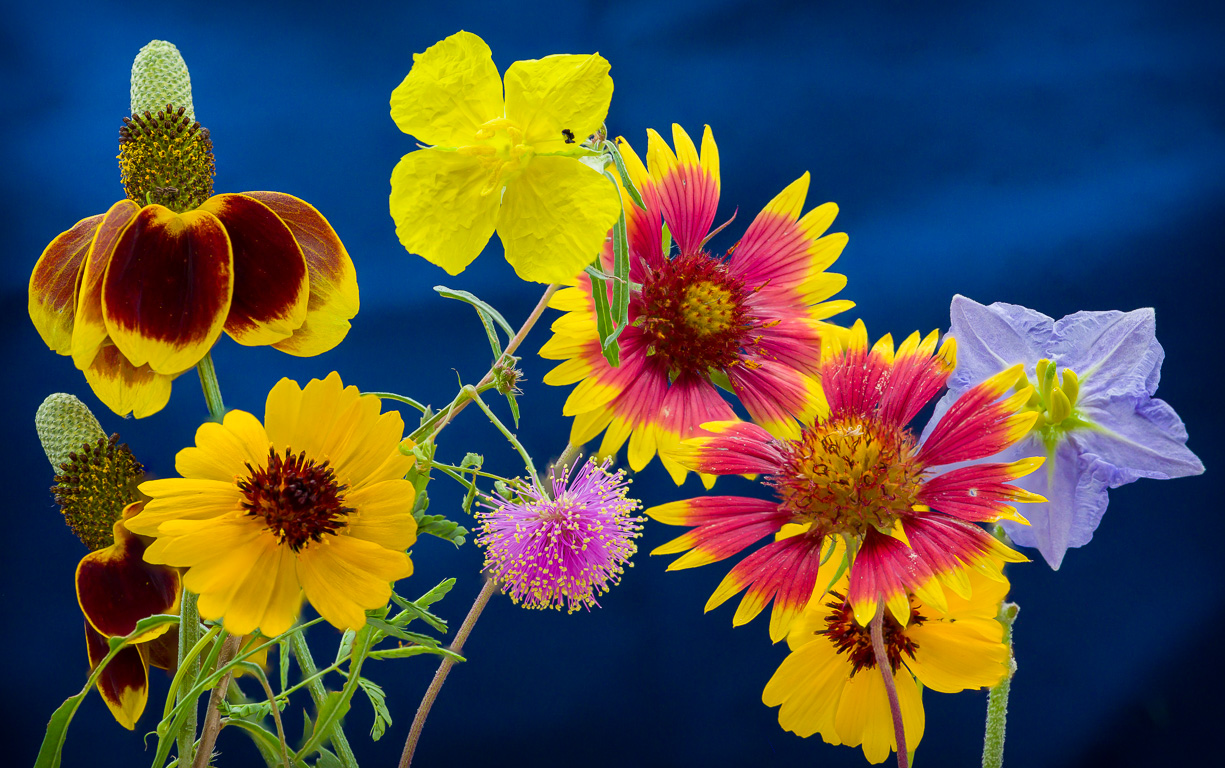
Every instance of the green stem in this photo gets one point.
(444, 668)
(189, 616)
(212, 390)
(567, 457)
(997, 697)
(440, 420)
(212, 716)
(307, 664)
(523, 454)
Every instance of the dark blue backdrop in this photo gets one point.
(1055, 156)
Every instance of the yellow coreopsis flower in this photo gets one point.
(506, 164)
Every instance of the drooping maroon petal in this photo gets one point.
(167, 290)
(271, 288)
(334, 297)
(53, 284)
(89, 331)
(116, 587)
(124, 684)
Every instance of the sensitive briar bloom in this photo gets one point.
(139, 294)
(507, 164)
(1098, 425)
(830, 682)
(857, 474)
(751, 321)
(564, 547)
(313, 500)
(95, 486)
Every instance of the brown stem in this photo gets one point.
(444, 668)
(276, 717)
(886, 671)
(212, 719)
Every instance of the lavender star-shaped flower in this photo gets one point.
(1100, 426)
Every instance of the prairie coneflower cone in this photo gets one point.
(64, 424)
(160, 77)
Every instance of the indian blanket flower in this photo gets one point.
(859, 475)
(509, 164)
(1098, 425)
(139, 294)
(830, 682)
(95, 486)
(751, 322)
(564, 546)
(312, 501)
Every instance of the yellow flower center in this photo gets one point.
(499, 144)
(1054, 402)
(300, 500)
(850, 638)
(848, 474)
(708, 307)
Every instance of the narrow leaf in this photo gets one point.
(480, 305)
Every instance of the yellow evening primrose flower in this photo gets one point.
(312, 501)
(506, 164)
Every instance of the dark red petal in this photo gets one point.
(167, 290)
(270, 283)
(53, 284)
(89, 332)
(124, 684)
(116, 587)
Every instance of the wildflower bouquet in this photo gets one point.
(880, 537)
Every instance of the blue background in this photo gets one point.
(1058, 155)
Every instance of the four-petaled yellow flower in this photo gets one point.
(507, 164)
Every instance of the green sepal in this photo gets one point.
(720, 380)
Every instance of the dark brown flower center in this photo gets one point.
(692, 311)
(166, 159)
(299, 500)
(850, 638)
(847, 474)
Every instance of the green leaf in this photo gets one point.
(437, 593)
(264, 739)
(387, 628)
(334, 707)
(439, 526)
(480, 305)
(720, 380)
(514, 407)
(378, 700)
(283, 663)
(413, 611)
(605, 325)
(667, 233)
(399, 399)
(612, 150)
(346, 645)
(405, 651)
(328, 760)
(57, 732)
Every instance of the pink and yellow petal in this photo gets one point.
(270, 281)
(53, 283)
(783, 571)
(916, 377)
(688, 190)
(885, 570)
(167, 289)
(778, 397)
(735, 448)
(555, 217)
(451, 90)
(979, 423)
(444, 207)
(89, 326)
(334, 298)
(563, 92)
(979, 493)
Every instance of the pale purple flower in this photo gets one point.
(1116, 432)
(566, 547)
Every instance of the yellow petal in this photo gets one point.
(555, 218)
(450, 91)
(439, 210)
(566, 92)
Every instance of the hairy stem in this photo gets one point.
(444, 668)
(307, 664)
(212, 716)
(886, 671)
(997, 698)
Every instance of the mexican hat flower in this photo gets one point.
(752, 322)
(830, 682)
(95, 486)
(139, 294)
(506, 163)
(859, 475)
(312, 501)
(1093, 377)
(565, 546)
